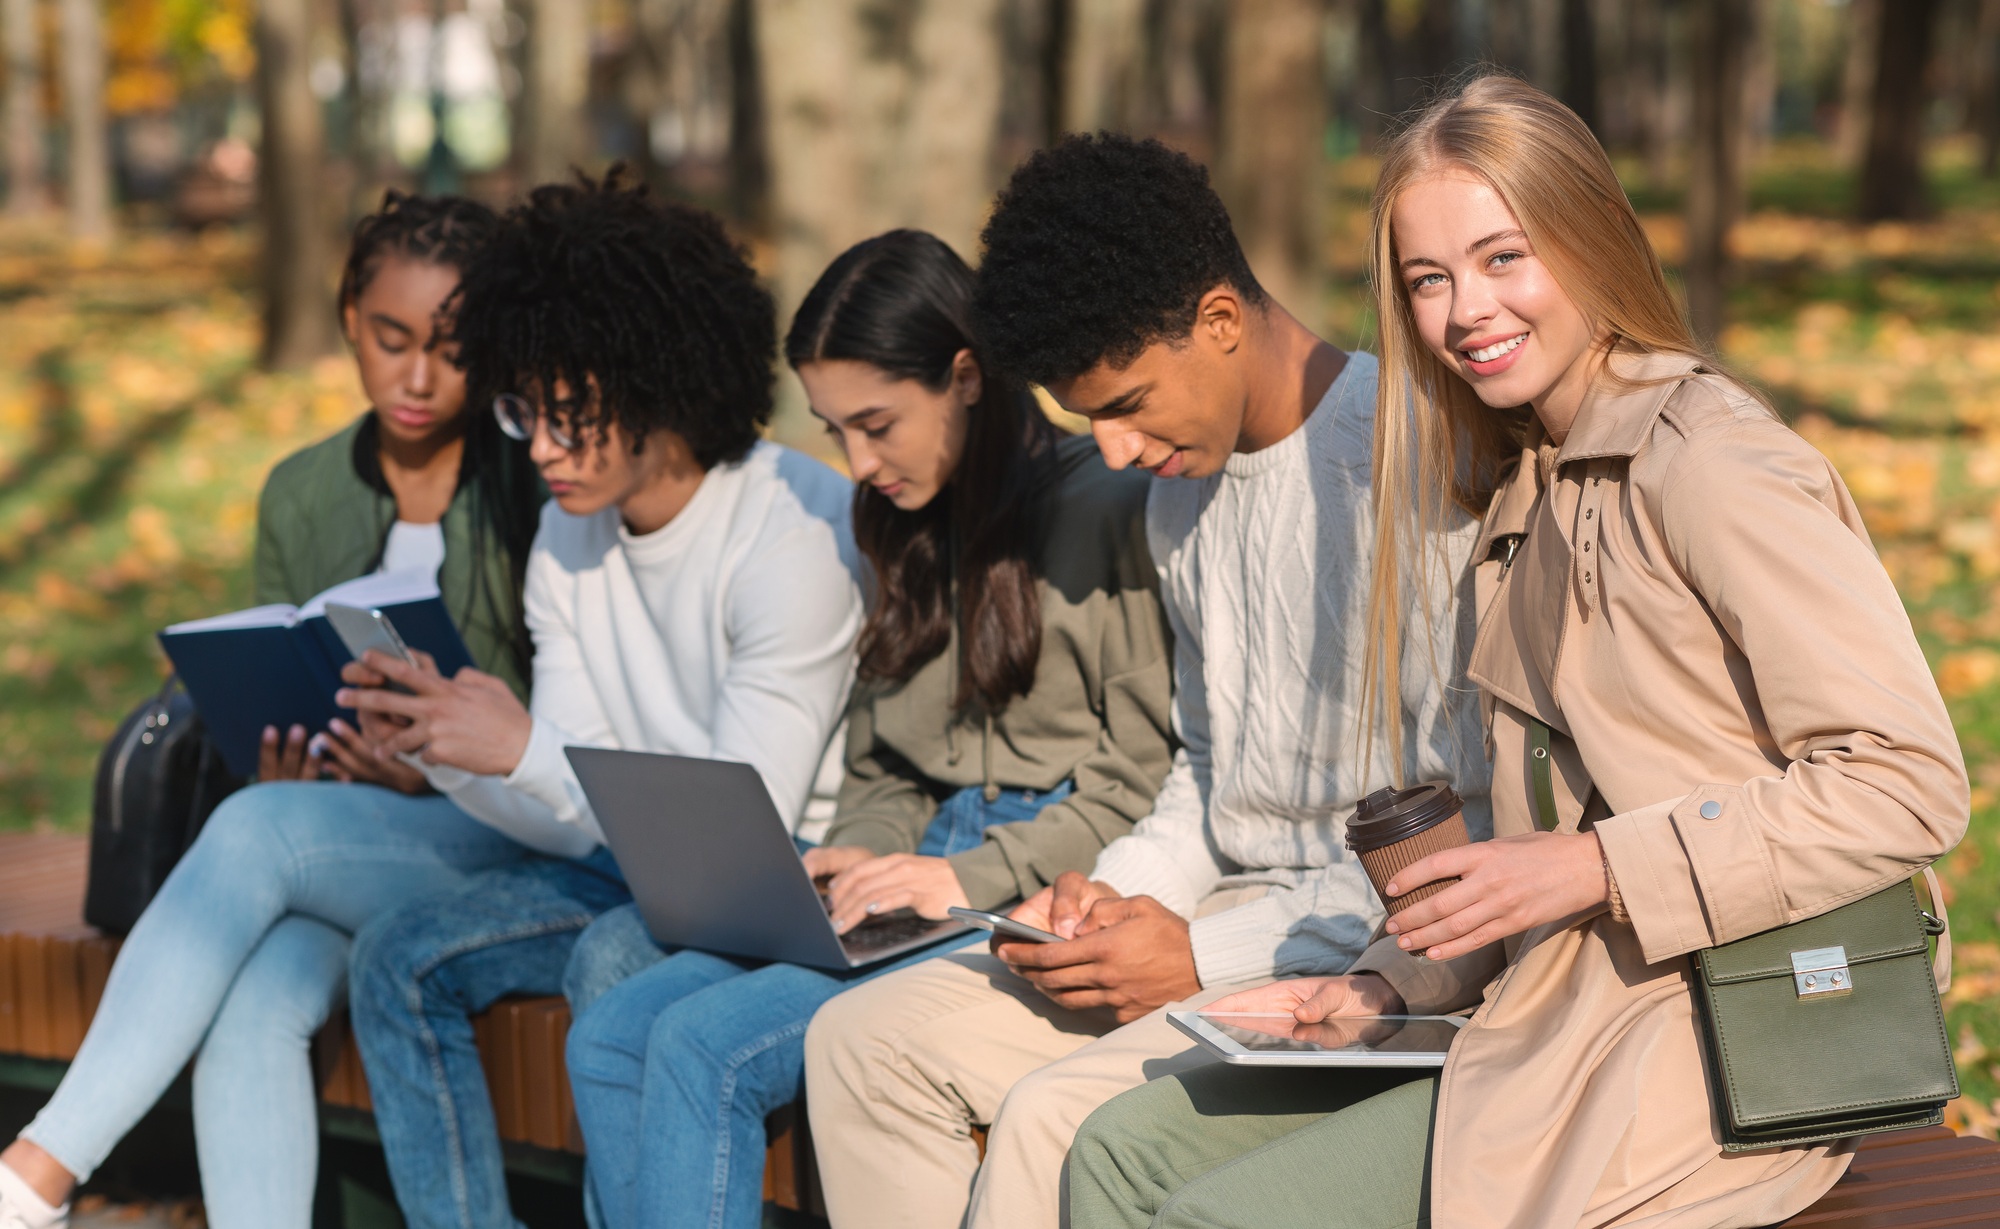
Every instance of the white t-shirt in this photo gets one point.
(726, 634)
(414, 548)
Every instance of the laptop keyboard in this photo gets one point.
(899, 927)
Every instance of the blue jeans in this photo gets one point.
(242, 955)
(675, 1069)
(419, 975)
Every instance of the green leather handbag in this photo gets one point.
(1826, 1028)
(1823, 1029)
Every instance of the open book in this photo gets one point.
(280, 665)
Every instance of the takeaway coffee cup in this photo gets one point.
(1393, 828)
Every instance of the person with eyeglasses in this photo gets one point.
(242, 955)
(692, 591)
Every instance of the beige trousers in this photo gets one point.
(900, 1069)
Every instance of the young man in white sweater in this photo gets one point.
(1112, 278)
(691, 591)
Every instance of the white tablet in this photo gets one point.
(1276, 1039)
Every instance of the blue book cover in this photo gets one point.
(280, 665)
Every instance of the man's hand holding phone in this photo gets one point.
(1128, 954)
(471, 721)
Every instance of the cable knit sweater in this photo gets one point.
(1264, 574)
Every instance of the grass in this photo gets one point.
(135, 433)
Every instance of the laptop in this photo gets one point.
(712, 866)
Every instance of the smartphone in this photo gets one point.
(1001, 924)
(361, 630)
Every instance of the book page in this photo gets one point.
(279, 614)
(374, 590)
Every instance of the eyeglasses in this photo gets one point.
(517, 417)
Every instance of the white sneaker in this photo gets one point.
(22, 1208)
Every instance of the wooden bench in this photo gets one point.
(53, 968)
(52, 973)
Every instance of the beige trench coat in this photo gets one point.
(1698, 613)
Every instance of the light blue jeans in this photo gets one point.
(242, 956)
(675, 1069)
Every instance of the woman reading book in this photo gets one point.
(244, 951)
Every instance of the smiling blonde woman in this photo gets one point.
(1745, 735)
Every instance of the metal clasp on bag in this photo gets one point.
(1822, 971)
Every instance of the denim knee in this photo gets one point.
(390, 955)
(611, 949)
(244, 830)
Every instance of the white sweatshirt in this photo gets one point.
(726, 634)
(1264, 574)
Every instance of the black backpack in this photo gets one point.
(157, 782)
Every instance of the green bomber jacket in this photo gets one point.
(325, 515)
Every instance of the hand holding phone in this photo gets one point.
(1002, 925)
(361, 630)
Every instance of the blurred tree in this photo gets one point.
(1857, 78)
(1651, 85)
(27, 186)
(297, 255)
(554, 121)
(1104, 65)
(1273, 143)
(1892, 169)
(86, 133)
(1579, 64)
(885, 115)
(1717, 46)
(1983, 101)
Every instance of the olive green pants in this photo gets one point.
(1224, 1147)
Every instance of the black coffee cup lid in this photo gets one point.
(1389, 815)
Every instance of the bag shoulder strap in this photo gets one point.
(1541, 766)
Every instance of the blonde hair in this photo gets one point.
(1436, 442)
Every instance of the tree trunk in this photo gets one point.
(1544, 51)
(1760, 84)
(1892, 171)
(298, 318)
(1273, 130)
(1579, 64)
(88, 135)
(1857, 78)
(1649, 86)
(1984, 100)
(1714, 184)
(886, 118)
(1104, 76)
(27, 181)
(556, 76)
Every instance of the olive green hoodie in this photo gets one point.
(1099, 713)
(326, 513)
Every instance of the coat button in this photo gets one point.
(1711, 809)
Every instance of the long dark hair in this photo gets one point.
(454, 232)
(902, 302)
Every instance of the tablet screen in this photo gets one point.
(1338, 1034)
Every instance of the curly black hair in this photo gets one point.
(595, 282)
(1098, 247)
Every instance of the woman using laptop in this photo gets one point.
(244, 951)
(1011, 718)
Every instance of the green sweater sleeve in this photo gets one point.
(270, 581)
(881, 808)
(1114, 785)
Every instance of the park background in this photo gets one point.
(179, 176)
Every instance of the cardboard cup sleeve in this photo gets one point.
(1383, 864)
